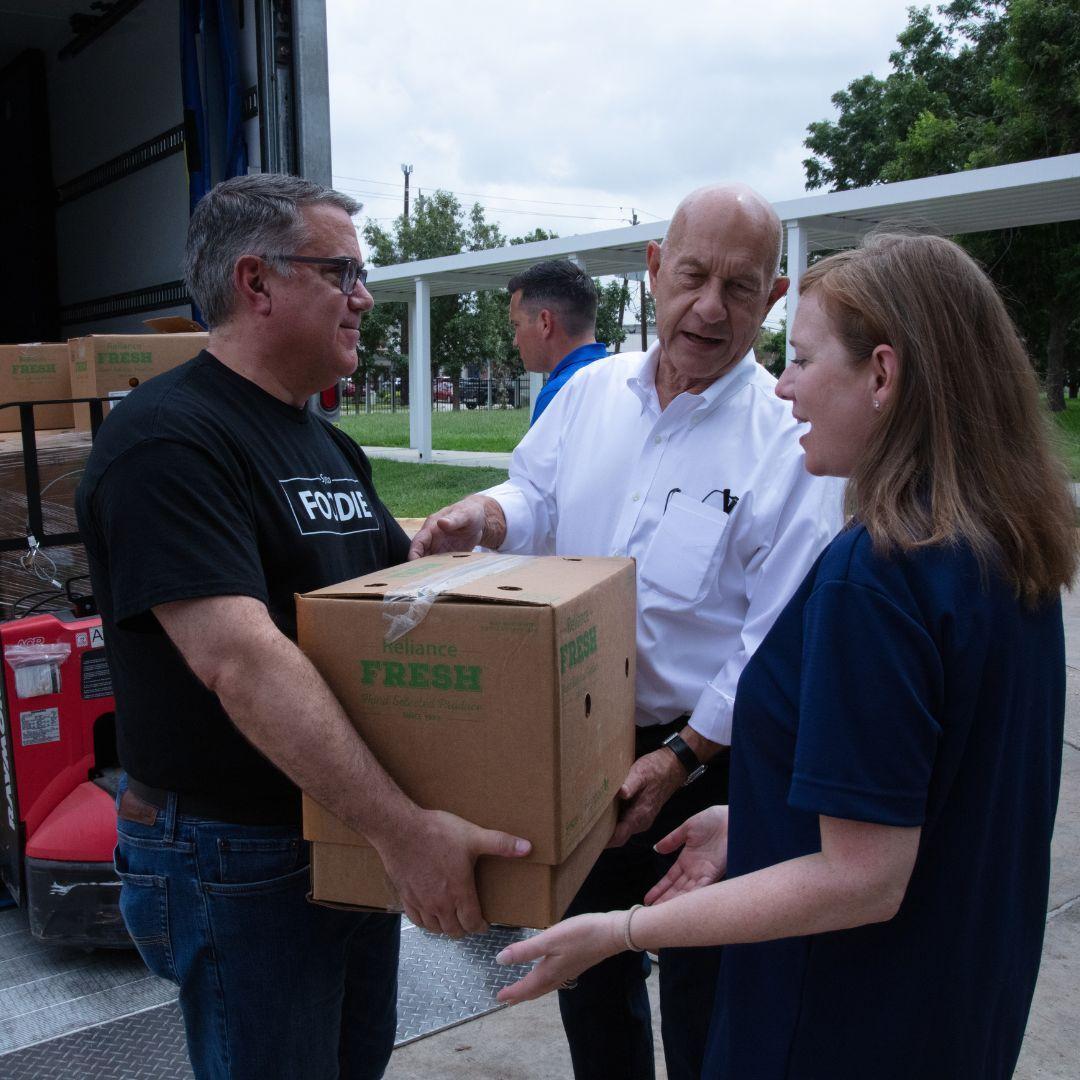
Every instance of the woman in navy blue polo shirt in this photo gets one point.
(897, 736)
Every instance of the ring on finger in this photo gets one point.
(569, 984)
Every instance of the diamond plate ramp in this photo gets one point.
(441, 983)
(149, 1045)
(48, 991)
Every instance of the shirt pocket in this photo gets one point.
(684, 556)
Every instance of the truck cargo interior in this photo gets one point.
(115, 117)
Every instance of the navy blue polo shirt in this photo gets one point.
(910, 690)
(565, 370)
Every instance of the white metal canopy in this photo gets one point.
(979, 200)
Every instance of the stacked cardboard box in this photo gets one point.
(35, 372)
(511, 703)
(112, 365)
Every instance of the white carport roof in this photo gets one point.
(1027, 193)
(1006, 196)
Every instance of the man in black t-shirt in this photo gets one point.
(212, 496)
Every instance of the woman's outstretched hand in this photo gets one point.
(703, 859)
(564, 952)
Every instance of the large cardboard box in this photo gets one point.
(519, 892)
(510, 703)
(112, 365)
(35, 372)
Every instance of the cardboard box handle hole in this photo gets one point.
(588, 705)
(628, 667)
(374, 584)
(510, 588)
(463, 555)
(568, 558)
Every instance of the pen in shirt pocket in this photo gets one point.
(729, 501)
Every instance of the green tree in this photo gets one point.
(536, 235)
(466, 328)
(612, 299)
(985, 82)
(771, 348)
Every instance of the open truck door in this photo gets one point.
(115, 119)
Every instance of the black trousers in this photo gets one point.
(606, 1016)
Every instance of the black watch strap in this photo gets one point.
(687, 758)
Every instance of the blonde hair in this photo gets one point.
(963, 452)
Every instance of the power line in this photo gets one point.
(488, 195)
(492, 209)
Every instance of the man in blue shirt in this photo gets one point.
(553, 313)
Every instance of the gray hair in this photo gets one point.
(260, 214)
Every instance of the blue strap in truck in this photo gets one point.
(196, 140)
(194, 16)
(236, 158)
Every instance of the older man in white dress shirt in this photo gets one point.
(683, 458)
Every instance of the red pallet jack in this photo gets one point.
(58, 749)
(58, 761)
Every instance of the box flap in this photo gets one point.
(138, 338)
(174, 324)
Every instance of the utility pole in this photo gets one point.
(644, 314)
(406, 172)
(625, 291)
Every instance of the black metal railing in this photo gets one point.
(35, 522)
(386, 393)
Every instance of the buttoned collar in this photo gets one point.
(642, 382)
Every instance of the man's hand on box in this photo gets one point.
(461, 527)
(432, 866)
(652, 780)
(703, 859)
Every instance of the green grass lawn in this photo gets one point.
(496, 430)
(1068, 423)
(411, 490)
(416, 490)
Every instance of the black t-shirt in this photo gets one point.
(201, 484)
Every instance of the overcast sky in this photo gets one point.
(603, 107)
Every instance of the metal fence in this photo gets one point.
(384, 393)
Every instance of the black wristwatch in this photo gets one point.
(687, 758)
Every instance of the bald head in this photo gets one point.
(734, 208)
(714, 279)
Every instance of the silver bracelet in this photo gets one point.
(629, 941)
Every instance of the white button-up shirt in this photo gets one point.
(605, 472)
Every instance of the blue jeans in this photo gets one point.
(270, 984)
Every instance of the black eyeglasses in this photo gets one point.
(351, 270)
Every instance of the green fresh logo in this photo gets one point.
(463, 678)
(124, 358)
(574, 652)
(33, 369)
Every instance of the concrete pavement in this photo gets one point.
(526, 1042)
(468, 458)
(1052, 1045)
